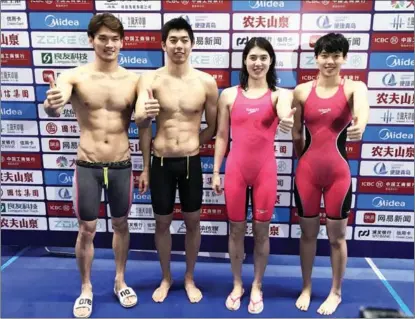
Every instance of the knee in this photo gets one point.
(192, 226)
(336, 242)
(237, 230)
(162, 226)
(120, 225)
(261, 233)
(308, 235)
(87, 230)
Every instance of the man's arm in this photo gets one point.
(360, 111)
(143, 117)
(145, 135)
(145, 147)
(297, 131)
(210, 111)
(59, 93)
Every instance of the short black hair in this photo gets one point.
(176, 24)
(264, 44)
(105, 20)
(332, 43)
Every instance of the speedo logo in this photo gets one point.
(324, 111)
(251, 110)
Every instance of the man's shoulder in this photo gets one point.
(205, 77)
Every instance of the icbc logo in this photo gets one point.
(369, 218)
(51, 128)
(392, 42)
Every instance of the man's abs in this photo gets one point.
(178, 140)
(115, 148)
(103, 107)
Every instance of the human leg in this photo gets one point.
(120, 191)
(86, 200)
(163, 193)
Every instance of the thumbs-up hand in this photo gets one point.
(54, 98)
(355, 131)
(287, 123)
(152, 106)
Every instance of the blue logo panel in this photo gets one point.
(266, 6)
(391, 61)
(59, 21)
(140, 59)
(385, 202)
(59, 177)
(18, 111)
(389, 134)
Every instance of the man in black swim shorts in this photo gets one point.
(176, 95)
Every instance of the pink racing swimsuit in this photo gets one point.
(323, 168)
(251, 161)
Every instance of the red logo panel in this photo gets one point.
(142, 40)
(392, 42)
(330, 6)
(13, 57)
(221, 77)
(309, 75)
(19, 160)
(64, 5)
(197, 6)
(353, 150)
(386, 185)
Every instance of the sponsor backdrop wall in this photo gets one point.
(38, 153)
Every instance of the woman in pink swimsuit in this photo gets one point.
(254, 108)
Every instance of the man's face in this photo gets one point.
(106, 44)
(178, 46)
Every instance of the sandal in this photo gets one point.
(233, 303)
(253, 304)
(125, 293)
(83, 301)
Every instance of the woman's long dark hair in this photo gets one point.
(264, 44)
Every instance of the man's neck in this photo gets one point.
(178, 70)
(105, 67)
(328, 81)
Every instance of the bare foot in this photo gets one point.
(161, 292)
(83, 304)
(329, 306)
(303, 301)
(127, 301)
(193, 293)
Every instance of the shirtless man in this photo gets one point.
(333, 109)
(176, 95)
(102, 95)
